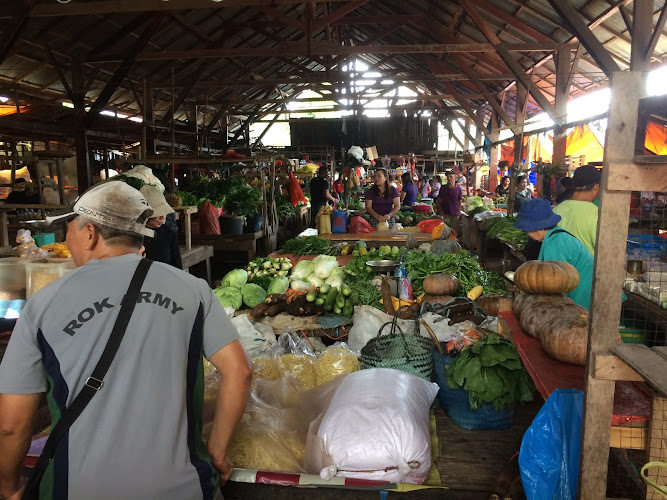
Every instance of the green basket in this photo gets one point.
(409, 353)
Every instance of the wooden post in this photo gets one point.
(562, 95)
(149, 119)
(84, 180)
(608, 276)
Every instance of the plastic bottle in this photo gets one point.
(404, 283)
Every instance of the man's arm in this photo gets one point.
(236, 371)
(16, 414)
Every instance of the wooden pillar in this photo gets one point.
(608, 276)
(149, 131)
(562, 96)
(466, 124)
(84, 178)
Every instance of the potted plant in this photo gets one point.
(243, 201)
(480, 387)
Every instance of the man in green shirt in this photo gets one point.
(579, 214)
(540, 222)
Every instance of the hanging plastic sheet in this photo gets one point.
(549, 456)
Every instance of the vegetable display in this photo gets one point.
(491, 371)
(263, 270)
(308, 245)
(503, 229)
(467, 270)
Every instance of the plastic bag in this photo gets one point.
(291, 357)
(295, 191)
(336, 360)
(359, 225)
(367, 323)
(256, 339)
(389, 439)
(273, 431)
(209, 222)
(549, 456)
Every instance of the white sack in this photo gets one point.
(256, 342)
(376, 427)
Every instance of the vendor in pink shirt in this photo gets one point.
(382, 200)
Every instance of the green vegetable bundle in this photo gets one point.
(357, 269)
(491, 371)
(467, 270)
(262, 270)
(309, 245)
(367, 294)
(503, 229)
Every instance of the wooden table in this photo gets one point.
(632, 402)
(379, 238)
(195, 255)
(224, 243)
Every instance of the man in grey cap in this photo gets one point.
(139, 436)
(579, 215)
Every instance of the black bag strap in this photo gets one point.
(93, 384)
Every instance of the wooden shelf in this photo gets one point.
(653, 160)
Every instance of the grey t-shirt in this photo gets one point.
(140, 436)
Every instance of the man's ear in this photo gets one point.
(92, 237)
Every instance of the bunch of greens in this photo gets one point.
(307, 245)
(503, 229)
(241, 199)
(368, 294)
(203, 189)
(285, 208)
(476, 210)
(189, 199)
(132, 181)
(465, 267)
(357, 269)
(491, 371)
(355, 205)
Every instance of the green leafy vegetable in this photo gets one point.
(253, 294)
(503, 229)
(491, 371)
(229, 296)
(307, 245)
(367, 294)
(236, 278)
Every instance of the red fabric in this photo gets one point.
(209, 219)
(427, 226)
(295, 192)
(359, 225)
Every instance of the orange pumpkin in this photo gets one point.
(441, 284)
(551, 276)
(438, 231)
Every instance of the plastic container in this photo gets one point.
(230, 224)
(12, 278)
(44, 239)
(456, 403)
(38, 274)
(339, 221)
(253, 223)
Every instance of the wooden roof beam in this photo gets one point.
(120, 73)
(19, 19)
(338, 14)
(511, 20)
(324, 49)
(583, 32)
(512, 64)
(657, 31)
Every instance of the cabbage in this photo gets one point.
(324, 267)
(302, 270)
(279, 285)
(473, 202)
(301, 286)
(236, 278)
(229, 296)
(335, 281)
(252, 294)
(315, 281)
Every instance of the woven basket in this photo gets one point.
(409, 353)
(456, 403)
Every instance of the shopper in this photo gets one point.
(163, 247)
(540, 222)
(435, 189)
(424, 187)
(579, 216)
(566, 190)
(409, 192)
(140, 435)
(503, 189)
(522, 193)
(382, 200)
(449, 202)
(319, 192)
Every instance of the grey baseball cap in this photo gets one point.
(113, 204)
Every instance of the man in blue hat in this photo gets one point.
(539, 221)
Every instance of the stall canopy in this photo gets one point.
(581, 141)
(656, 138)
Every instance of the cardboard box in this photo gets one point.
(470, 158)
(372, 153)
